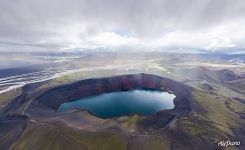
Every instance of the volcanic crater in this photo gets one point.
(53, 98)
(34, 106)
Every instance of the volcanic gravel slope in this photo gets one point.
(200, 118)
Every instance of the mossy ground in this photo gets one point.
(51, 137)
(213, 118)
(7, 96)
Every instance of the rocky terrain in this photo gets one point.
(209, 108)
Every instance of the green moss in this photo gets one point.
(236, 106)
(104, 140)
(7, 96)
(217, 112)
(149, 142)
(50, 137)
(131, 122)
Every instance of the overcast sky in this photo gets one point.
(28, 25)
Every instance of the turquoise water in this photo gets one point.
(124, 103)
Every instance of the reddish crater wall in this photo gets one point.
(55, 97)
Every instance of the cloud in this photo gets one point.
(116, 24)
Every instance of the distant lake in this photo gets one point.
(123, 103)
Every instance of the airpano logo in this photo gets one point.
(228, 143)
